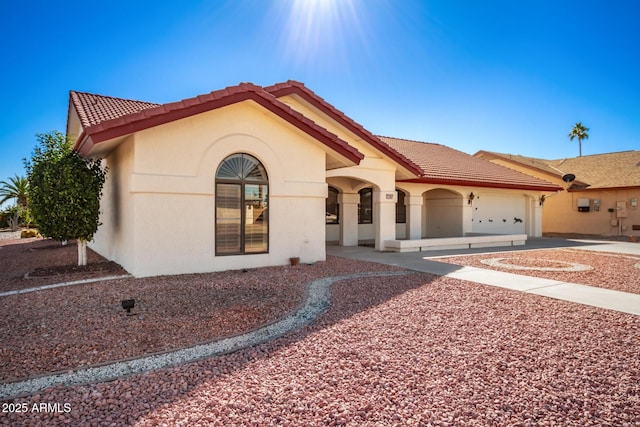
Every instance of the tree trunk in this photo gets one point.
(82, 252)
(14, 221)
(580, 145)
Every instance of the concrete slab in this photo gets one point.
(501, 279)
(581, 294)
(590, 295)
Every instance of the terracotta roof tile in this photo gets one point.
(446, 165)
(105, 118)
(94, 109)
(293, 87)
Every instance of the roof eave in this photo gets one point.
(292, 87)
(166, 113)
(630, 187)
(476, 184)
(557, 175)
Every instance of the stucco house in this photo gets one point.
(250, 176)
(603, 191)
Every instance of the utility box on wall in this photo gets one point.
(621, 208)
(583, 205)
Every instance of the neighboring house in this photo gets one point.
(250, 176)
(602, 199)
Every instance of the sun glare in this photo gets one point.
(322, 30)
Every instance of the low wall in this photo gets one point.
(455, 243)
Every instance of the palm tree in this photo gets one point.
(580, 132)
(16, 188)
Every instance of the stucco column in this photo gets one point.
(537, 219)
(467, 215)
(348, 218)
(414, 216)
(384, 216)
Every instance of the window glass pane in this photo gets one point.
(365, 208)
(241, 167)
(332, 206)
(231, 168)
(254, 171)
(401, 209)
(256, 218)
(228, 218)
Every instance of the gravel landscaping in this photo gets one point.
(81, 325)
(45, 262)
(609, 270)
(400, 350)
(416, 350)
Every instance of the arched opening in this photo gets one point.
(241, 206)
(442, 213)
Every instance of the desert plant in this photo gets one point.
(25, 234)
(12, 215)
(15, 188)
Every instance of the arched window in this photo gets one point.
(242, 220)
(401, 208)
(365, 208)
(333, 208)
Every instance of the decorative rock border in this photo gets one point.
(60, 285)
(572, 266)
(316, 302)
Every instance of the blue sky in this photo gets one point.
(499, 75)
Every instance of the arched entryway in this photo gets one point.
(443, 213)
(365, 213)
(350, 213)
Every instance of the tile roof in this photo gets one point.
(106, 118)
(294, 87)
(533, 162)
(94, 109)
(445, 165)
(608, 170)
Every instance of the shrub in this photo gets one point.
(26, 234)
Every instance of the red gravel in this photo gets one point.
(411, 350)
(81, 325)
(47, 262)
(610, 271)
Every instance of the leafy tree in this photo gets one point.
(64, 191)
(15, 188)
(580, 132)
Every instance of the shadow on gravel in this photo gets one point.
(136, 396)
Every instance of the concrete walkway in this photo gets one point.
(589, 295)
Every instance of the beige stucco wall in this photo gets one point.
(560, 211)
(443, 208)
(115, 238)
(167, 177)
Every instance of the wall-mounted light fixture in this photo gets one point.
(470, 199)
(541, 200)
